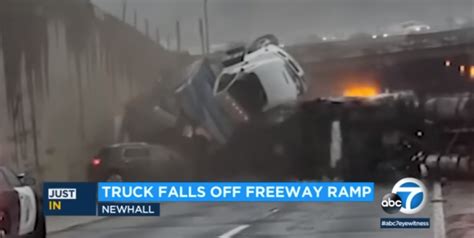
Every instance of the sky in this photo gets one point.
(290, 20)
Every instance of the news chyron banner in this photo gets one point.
(80, 199)
(70, 199)
(143, 199)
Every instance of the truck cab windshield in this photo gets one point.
(249, 93)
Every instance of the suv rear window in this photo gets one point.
(136, 152)
(105, 153)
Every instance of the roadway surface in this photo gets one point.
(226, 220)
(459, 209)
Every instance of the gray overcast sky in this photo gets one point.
(290, 20)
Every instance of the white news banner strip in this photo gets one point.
(62, 193)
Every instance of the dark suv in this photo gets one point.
(137, 162)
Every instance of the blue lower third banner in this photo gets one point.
(127, 192)
(70, 199)
(405, 223)
(128, 209)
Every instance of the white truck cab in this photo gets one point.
(261, 80)
(258, 85)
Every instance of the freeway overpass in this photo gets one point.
(419, 61)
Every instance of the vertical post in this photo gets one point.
(124, 10)
(201, 36)
(336, 144)
(206, 27)
(178, 37)
(146, 27)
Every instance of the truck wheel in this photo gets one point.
(262, 41)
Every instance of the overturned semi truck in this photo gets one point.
(240, 113)
(239, 93)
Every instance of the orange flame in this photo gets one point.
(361, 91)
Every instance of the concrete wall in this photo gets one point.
(66, 70)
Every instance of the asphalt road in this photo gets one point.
(341, 220)
(458, 200)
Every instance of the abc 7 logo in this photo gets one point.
(391, 203)
(408, 196)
